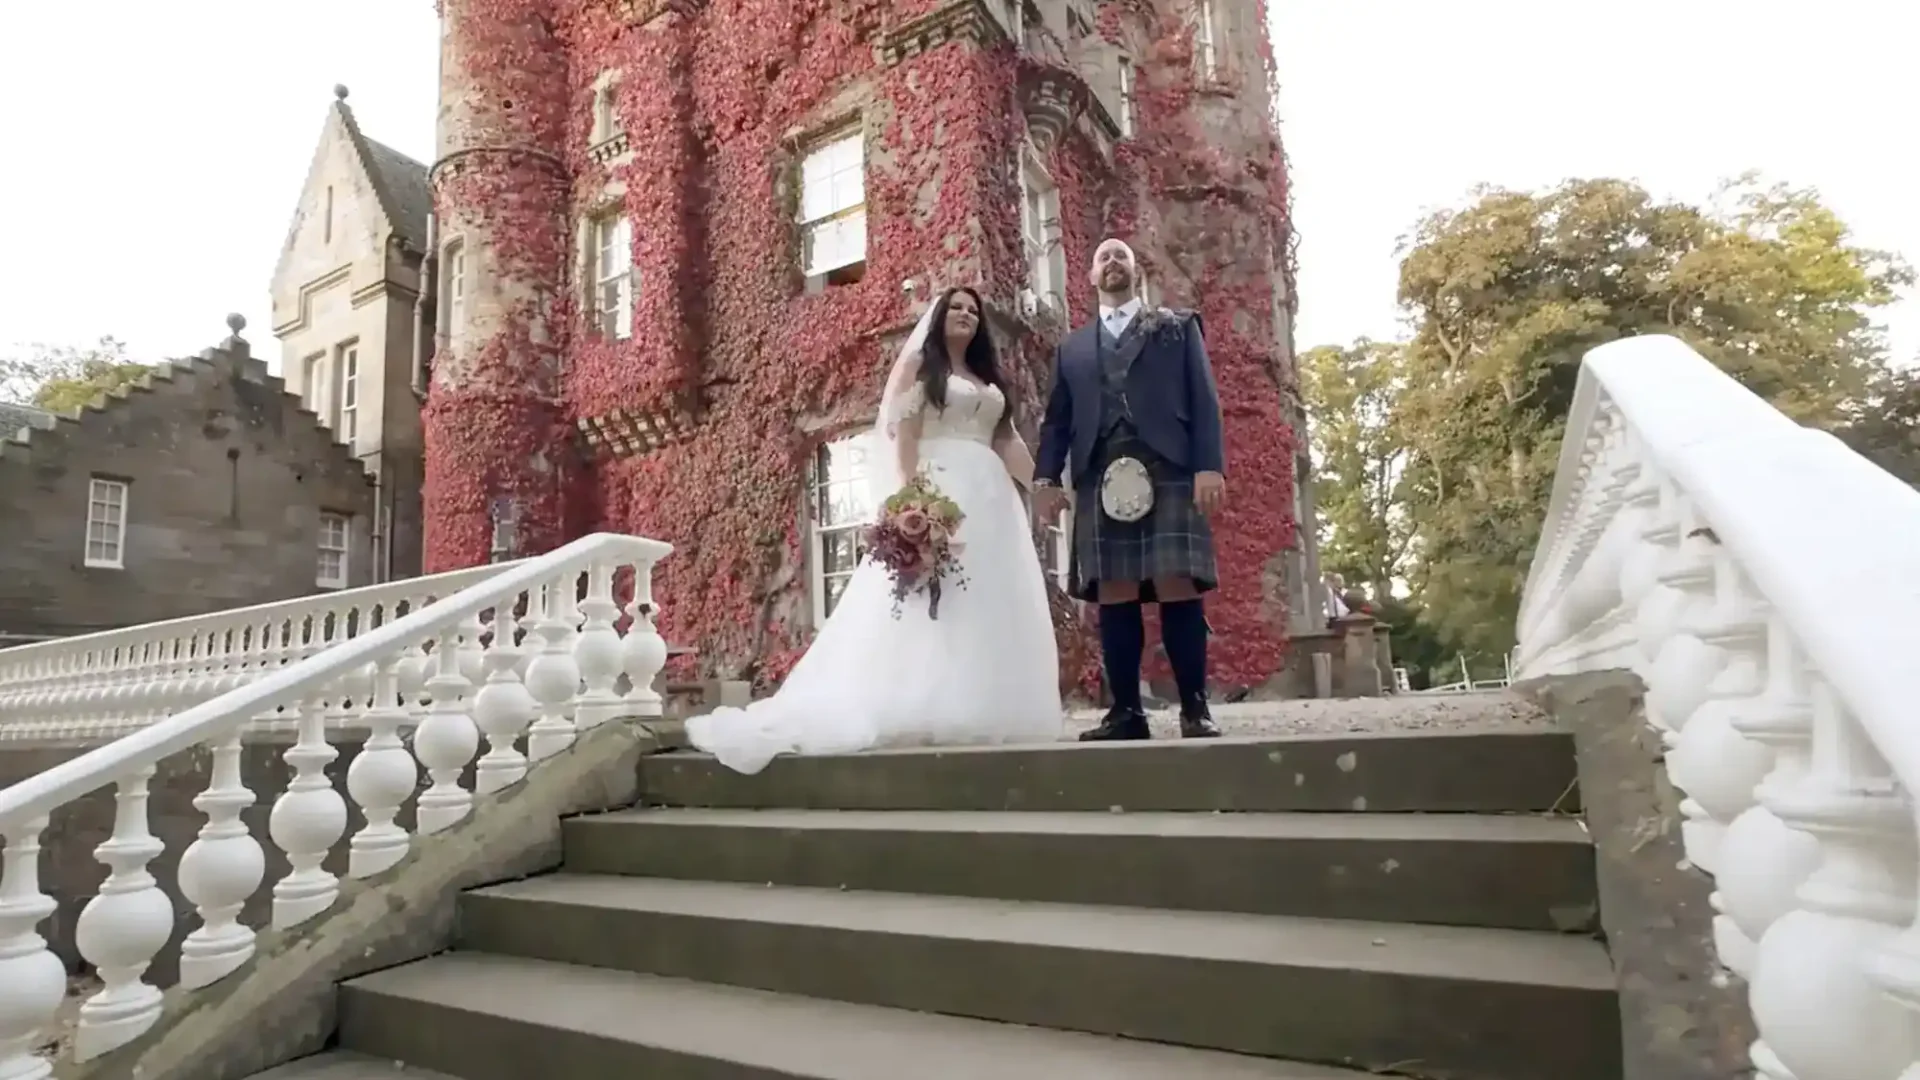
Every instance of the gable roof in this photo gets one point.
(399, 182)
(233, 356)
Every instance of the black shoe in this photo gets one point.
(1120, 724)
(1196, 721)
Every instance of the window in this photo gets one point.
(1040, 227)
(314, 369)
(332, 573)
(613, 277)
(506, 519)
(326, 228)
(106, 523)
(1126, 98)
(349, 366)
(604, 125)
(1077, 24)
(840, 506)
(456, 273)
(1206, 41)
(833, 210)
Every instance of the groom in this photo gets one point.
(1134, 409)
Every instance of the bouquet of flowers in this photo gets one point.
(913, 538)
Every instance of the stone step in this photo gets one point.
(1453, 1002)
(347, 1065)
(1519, 871)
(1443, 772)
(487, 1017)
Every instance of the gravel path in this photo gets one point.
(1496, 710)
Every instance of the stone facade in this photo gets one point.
(201, 488)
(349, 313)
(644, 343)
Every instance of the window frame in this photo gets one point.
(1206, 40)
(850, 214)
(347, 415)
(1128, 90)
(123, 490)
(818, 477)
(1041, 231)
(329, 520)
(453, 260)
(612, 235)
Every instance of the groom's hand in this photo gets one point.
(1048, 501)
(1209, 492)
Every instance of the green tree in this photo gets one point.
(1884, 426)
(1507, 294)
(64, 378)
(1359, 460)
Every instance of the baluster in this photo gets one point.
(1715, 765)
(645, 651)
(446, 740)
(307, 820)
(554, 677)
(1820, 1015)
(33, 981)
(1684, 666)
(503, 708)
(1763, 862)
(1659, 607)
(219, 871)
(597, 651)
(381, 777)
(122, 927)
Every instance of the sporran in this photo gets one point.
(1126, 490)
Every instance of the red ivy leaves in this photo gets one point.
(714, 108)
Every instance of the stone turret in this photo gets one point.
(497, 449)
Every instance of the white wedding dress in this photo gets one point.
(985, 671)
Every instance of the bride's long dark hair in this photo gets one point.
(981, 358)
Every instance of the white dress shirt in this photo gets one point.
(1117, 319)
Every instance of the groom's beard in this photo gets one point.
(1116, 281)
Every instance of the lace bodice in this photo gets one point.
(972, 411)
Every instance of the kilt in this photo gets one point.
(1173, 540)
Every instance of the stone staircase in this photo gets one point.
(1291, 909)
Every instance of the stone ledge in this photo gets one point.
(1676, 1024)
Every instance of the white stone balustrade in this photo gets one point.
(98, 687)
(468, 655)
(1763, 580)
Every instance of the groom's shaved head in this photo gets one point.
(1113, 247)
(1114, 271)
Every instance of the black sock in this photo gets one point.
(1183, 630)
(1123, 637)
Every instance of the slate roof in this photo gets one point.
(15, 418)
(401, 184)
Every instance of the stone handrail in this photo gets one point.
(97, 687)
(524, 659)
(1764, 581)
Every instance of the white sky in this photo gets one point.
(156, 149)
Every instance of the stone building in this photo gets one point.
(350, 316)
(677, 245)
(205, 486)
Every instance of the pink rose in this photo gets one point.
(912, 523)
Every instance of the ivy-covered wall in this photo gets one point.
(717, 102)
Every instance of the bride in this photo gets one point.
(985, 671)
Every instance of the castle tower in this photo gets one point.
(497, 446)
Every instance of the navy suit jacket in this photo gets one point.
(1170, 390)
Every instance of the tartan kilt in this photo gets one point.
(1173, 540)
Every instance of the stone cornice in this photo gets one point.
(960, 20)
(625, 433)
